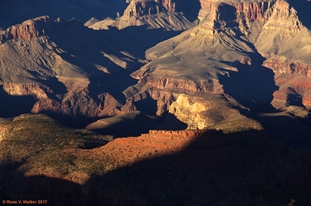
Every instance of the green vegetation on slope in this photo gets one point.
(40, 143)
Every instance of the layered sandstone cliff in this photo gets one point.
(189, 63)
(155, 14)
(246, 16)
(210, 112)
(254, 33)
(224, 54)
(32, 63)
(18, 89)
(26, 31)
(284, 42)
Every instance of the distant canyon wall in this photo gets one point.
(259, 21)
(277, 34)
(141, 8)
(244, 13)
(28, 30)
(73, 105)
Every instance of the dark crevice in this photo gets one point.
(13, 105)
(252, 86)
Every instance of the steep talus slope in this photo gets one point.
(37, 59)
(238, 49)
(40, 58)
(226, 54)
(197, 60)
(285, 43)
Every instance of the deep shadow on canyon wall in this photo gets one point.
(303, 7)
(11, 106)
(85, 50)
(17, 11)
(242, 168)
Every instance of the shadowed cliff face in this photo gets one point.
(140, 8)
(74, 71)
(196, 176)
(13, 105)
(231, 28)
(70, 80)
(16, 11)
(39, 188)
(256, 87)
(193, 168)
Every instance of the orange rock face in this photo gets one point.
(81, 104)
(245, 11)
(189, 156)
(293, 75)
(26, 31)
(3, 131)
(294, 68)
(126, 151)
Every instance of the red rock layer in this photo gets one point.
(141, 8)
(26, 31)
(126, 151)
(294, 75)
(164, 98)
(252, 11)
(183, 86)
(294, 68)
(244, 11)
(81, 104)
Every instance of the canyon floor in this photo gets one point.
(188, 167)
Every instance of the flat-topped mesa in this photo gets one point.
(245, 10)
(167, 14)
(183, 133)
(206, 138)
(144, 7)
(183, 85)
(28, 30)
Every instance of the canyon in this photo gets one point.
(163, 92)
